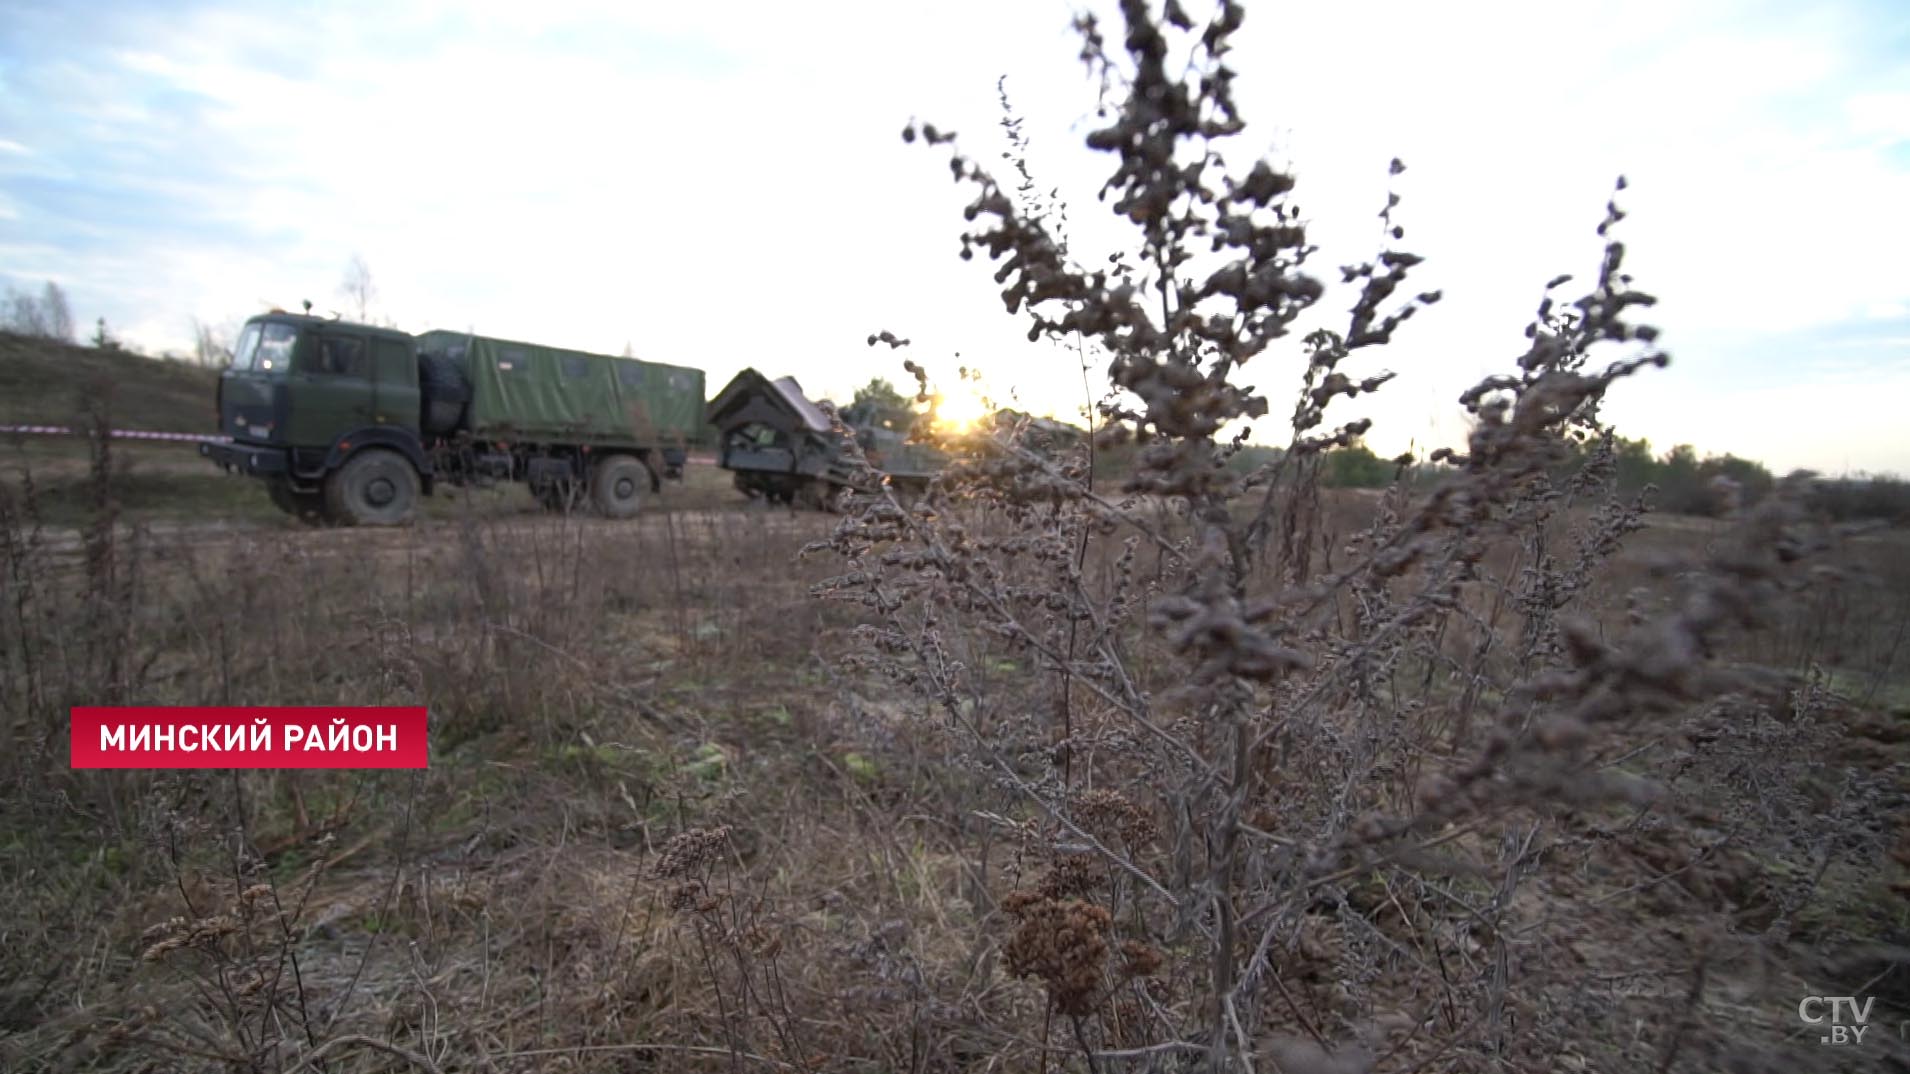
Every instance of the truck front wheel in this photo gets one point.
(617, 484)
(375, 487)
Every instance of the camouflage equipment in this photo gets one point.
(349, 423)
(784, 448)
(525, 391)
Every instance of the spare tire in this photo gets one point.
(443, 393)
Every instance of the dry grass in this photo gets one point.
(595, 692)
(1214, 771)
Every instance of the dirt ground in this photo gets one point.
(599, 689)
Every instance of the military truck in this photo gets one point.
(349, 423)
(782, 447)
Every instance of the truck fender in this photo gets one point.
(404, 441)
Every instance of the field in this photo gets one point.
(1198, 766)
(669, 826)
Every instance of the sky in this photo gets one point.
(724, 185)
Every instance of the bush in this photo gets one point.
(1268, 780)
(1883, 498)
(1356, 467)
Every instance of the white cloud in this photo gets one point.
(1882, 117)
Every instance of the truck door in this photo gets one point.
(332, 392)
(394, 367)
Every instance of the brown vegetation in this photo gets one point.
(664, 827)
(1205, 771)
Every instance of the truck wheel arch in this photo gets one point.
(402, 440)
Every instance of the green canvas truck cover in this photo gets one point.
(527, 391)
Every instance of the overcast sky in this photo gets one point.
(723, 185)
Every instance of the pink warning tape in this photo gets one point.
(116, 434)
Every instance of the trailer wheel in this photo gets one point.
(375, 487)
(617, 484)
(816, 494)
(307, 507)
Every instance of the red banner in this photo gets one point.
(323, 736)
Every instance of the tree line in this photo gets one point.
(47, 314)
(1678, 480)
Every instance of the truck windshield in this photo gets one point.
(265, 347)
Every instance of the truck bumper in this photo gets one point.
(247, 459)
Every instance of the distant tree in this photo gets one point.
(1680, 485)
(358, 288)
(1753, 481)
(878, 403)
(23, 314)
(880, 394)
(1356, 467)
(103, 339)
(1252, 457)
(211, 345)
(628, 352)
(1636, 467)
(1690, 485)
(57, 314)
(46, 315)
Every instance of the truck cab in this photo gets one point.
(303, 395)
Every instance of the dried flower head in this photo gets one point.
(1109, 813)
(1062, 943)
(690, 850)
(1071, 875)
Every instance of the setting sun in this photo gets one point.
(960, 409)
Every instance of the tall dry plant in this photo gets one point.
(1283, 791)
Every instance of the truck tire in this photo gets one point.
(307, 507)
(617, 484)
(375, 487)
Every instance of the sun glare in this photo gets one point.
(960, 410)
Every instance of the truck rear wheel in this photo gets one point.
(375, 487)
(617, 484)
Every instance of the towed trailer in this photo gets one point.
(782, 447)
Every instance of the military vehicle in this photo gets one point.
(348, 423)
(783, 448)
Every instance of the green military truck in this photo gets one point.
(348, 424)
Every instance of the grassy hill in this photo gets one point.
(44, 382)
